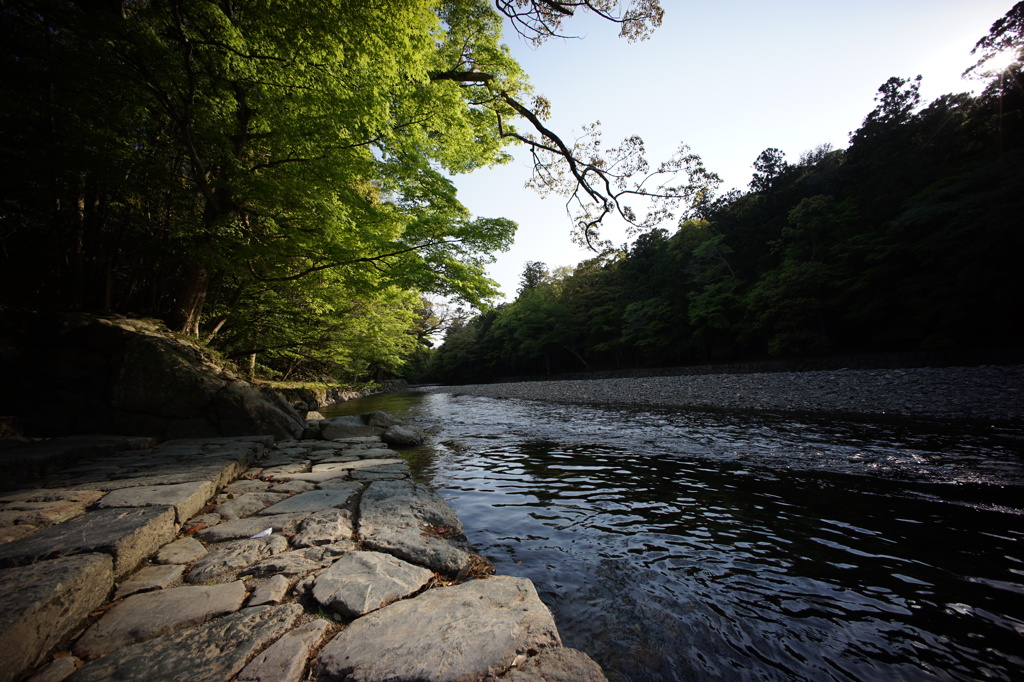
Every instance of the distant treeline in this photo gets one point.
(910, 239)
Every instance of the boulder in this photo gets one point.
(557, 665)
(44, 603)
(213, 652)
(403, 436)
(361, 582)
(381, 419)
(472, 631)
(412, 522)
(119, 375)
(144, 616)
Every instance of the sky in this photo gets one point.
(729, 79)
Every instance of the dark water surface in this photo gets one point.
(676, 545)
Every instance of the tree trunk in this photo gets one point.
(189, 306)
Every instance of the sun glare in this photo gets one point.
(1000, 61)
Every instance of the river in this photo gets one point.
(688, 545)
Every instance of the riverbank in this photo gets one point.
(242, 558)
(970, 394)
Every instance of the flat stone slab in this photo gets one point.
(361, 582)
(242, 529)
(186, 498)
(291, 487)
(148, 579)
(214, 652)
(340, 483)
(313, 476)
(325, 527)
(41, 508)
(557, 665)
(57, 670)
(270, 591)
(234, 556)
(128, 535)
(471, 631)
(310, 501)
(183, 551)
(357, 464)
(285, 660)
(243, 485)
(145, 616)
(248, 503)
(298, 562)
(45, 602)
(411, 521)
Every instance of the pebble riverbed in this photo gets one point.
(986, 393)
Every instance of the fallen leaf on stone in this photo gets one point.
(195, 528)
(262, 534)
(518, 661)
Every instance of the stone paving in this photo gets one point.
(246, 559)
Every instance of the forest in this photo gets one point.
(274, 180)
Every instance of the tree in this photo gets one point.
(534, 274)
(768, 167)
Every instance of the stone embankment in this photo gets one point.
(948, 393)
(242, 558)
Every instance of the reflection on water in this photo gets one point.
(678, 546)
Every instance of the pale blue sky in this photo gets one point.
(729, 78)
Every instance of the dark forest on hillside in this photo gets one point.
(908, 240)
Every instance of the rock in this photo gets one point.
(186, 498)
(292, 487)
(403, 436)
(285, 660)
(271, 591)
(149, 578)
(289, 468)
(314, 477)
(381, 419)
(46, 602)
(214, 652)
(241, 410)
(58, 670)
(41, 508)
(242, 529)
(297, 562)
(246, 486)
(340, 427)
(471, 631)
(557, 665)
(234, 556)
(314, 416)
(162, 376)
(310, 501)
(411, 521)
(145, 616)
(357, 464)
(324, 528)
(248, 503)
(128, 535)
(183, 551)
(340, 483)
(361, 582)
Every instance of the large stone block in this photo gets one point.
(469, 632)
(411, 521)
(43, 603)
(214, 652)
(127, 535)
(186, 498)
(144, 616)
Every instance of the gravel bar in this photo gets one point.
(986, 393)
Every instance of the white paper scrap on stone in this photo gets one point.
(262, 534)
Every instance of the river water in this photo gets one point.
(682, 545)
